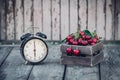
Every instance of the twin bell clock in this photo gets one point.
(33, 47)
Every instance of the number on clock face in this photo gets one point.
(35, 50)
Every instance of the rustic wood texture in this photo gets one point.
(4, 52)
(100, 18)
(82, 60)
(10, 20)
(88, 50)
(51, 68)
(109, 21)
(55, 19)
(82, 73)
(19, 19)
(82, 18)
(38, 15)
(47, 18)
(65, 18)
(59, 18)
(73, 16)
(110, 68)
(28, 15)
(14, 68)
(91, 15)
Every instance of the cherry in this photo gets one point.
(75, 43)
(76, 52)
(84, 43)
(71, 41)
(69, 37)
(79, 40)
(94, 40)
(92, 43)
(82, 33)
(87, 37)
(69, 51)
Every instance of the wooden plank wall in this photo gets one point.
(59, 18)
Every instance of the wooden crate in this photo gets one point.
(90, 55)
(88, 50)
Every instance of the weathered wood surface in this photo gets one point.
(110, 68)
(13, 67)
(51, 68)
(59, 18)
(4, 52)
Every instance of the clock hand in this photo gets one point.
(34, 50)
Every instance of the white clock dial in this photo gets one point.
(35, 50)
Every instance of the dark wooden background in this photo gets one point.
(58, 18)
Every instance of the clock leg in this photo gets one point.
(26, 62)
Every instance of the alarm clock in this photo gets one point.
(33, 48)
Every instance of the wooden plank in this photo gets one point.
(73, 16)
(47, 18)
(38, 15)
(64, 18)
(19, 19)
(55, 19)
(117, 20)
(109, 34)
(82, 73)
(83, 14)
(92, 15)
(51, 69)
(2, 20)
(100, 18)
(28, 15)
(10, 20)
(110, 68)
(4, 52)
(14, 68)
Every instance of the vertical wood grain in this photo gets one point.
(10, 20)
(92, 15)
(117, 20)
(3, 21)
(100, 18)
(83, 14)
(19, 19)
(73, 16)
(47, 18)
(38, 14)
(109, 34)
(28, 15)
(55, 19)
(64, 18)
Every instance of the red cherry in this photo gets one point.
(71, 41)
(87, 37)
(82, 33)
(94, 40)
(75, 43)
(79, 40)
(76, 52)
(83, 37)
(92, 43)
(84, 43)
(68, 38)
(69, 51)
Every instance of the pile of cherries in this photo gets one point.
(82, 39)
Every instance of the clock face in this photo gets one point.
(35, 50)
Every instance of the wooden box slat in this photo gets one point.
(88, 50)
(84, 61)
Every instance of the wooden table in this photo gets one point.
(12, 66)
